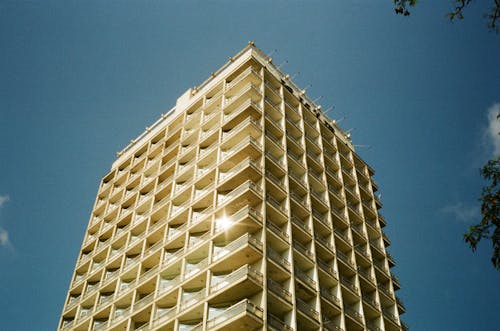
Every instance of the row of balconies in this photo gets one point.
(171, 235)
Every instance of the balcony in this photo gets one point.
(354, 314)
(298, 178)
(246, 276)
(278, 289)
(392, 317)
(278, 205)
(246, 186)
(323, 218)
(277, 161)
(367, 275)
(344, 236)
(395, 282)
(277, 141)
(192, 269)
(276, 230)
(278, 259)
(164, 315)
(228, 153)
(191, 298)
(324, 242)
(302, 200)
(371, 302)
(301, 275)
(330, 297)
(327, 268)
(275, 323)
(232, 107)
(349, 284)
(280, 182)
(249, 73)
(170, 258)
(303, 250)
(144, 301)
(243, 250)
(197, 216)
(305, 308)
(296, 124)
(196, 240)
(168, 284)
(243, 314)
(174, 232)
(223, 176)
(248, 126)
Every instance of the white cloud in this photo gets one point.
(4, 199)
(461, 212)
(4, 237)
(493, 130)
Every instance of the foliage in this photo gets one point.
(402, 7)
(489, 227)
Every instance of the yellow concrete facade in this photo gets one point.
(243, 208)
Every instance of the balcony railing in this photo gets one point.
(300, 223)
(198, 216)
(167, 284)
(276, 257)
(172, 257)
(371, 302)
(345, 258)
(349, 284)
(305, 278)
(321, 217)
(299, 178)
(304, 250)
(243, 164)
(276, 323)
(328, 268)
(192, 269)
(219, 252)
(295, 124)
(191, 299)
(390, 316)
(278, 181)
(301, 199)
(277, 204)
(241, 307)
(242, 76)
(342, 235)
(354, 314)
(366, 274)
(306, 308)
(278, 289)
(237, 128)
(235, 276)
(330, 296)
(144, 301)
(279, 162)
(275, 229)
(246, 141)
(223, 198)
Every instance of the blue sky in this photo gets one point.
(79, 79)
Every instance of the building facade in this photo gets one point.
(243, 208)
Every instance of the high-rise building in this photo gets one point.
(243, 208)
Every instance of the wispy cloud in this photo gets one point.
(4, 199)
(4, 237)
(462, 213)
(492, 131)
